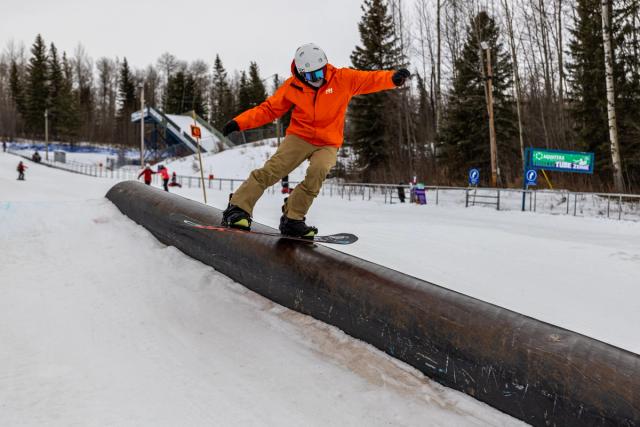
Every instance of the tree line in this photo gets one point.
(565, 74)
(550, 88)
(93, 101)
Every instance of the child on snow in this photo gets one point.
(174, 181)
(164, 174)
(21, 168)
(148, 173)
(421, 194)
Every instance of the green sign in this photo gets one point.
(563, 161)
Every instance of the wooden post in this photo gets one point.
(142, 126)
(492, 129)
(204, 190)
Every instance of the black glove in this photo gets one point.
(229, 127)
(400, 76)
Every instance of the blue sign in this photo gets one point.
(531, 177)
(474, 177)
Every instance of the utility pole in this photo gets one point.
(492, 128)
(46, 132)
(142, 125)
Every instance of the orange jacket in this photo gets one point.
(318, 116)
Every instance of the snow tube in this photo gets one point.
(534, 371)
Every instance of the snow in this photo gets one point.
(578, 273)
(234, 163)
(209, 141)
(101, 324)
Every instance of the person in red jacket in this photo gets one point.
(319, 94)
(147, 172)
(164, 174)
(21, 168)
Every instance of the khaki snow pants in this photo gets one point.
(290, 154)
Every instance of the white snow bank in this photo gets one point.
(582, 274)
(101, 324)
(235, 163)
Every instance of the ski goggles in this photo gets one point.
(314, 76)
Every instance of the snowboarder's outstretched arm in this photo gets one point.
(363, 82)
(275, 106)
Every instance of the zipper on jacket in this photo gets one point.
(315, 106)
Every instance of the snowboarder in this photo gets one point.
(21, 168)
(4, 146)
(320, 94)
(164, 174)
(174, 181)
(147, 172)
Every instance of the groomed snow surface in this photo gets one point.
(100, 324)
(582, 274)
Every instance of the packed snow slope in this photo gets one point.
(101, 324)
(234, 163)
(582, 274)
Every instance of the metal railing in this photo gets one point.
(556, 202)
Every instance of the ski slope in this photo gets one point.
(234, 163)
(582, 274)
(208, 141)
(101, 324)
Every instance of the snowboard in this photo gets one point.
(335, 239)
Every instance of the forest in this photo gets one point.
(512, 74)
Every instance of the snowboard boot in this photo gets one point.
(235, 217)
(297, 228)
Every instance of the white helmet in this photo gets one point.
(147, 165)
(309, 58)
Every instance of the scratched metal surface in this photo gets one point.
(534, 371)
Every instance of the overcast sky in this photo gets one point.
(267, 32)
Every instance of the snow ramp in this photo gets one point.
(534, 371)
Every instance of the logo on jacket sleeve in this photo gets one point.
(328, 91)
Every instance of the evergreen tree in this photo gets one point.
(257, 91)
(69, 120)
(183, 95)
(127, 101)
(37, 90)
(587, 86)
(222, 107)
(370, 130)
(126, 92)
(285, 119)
(56, 83)
(17, 88)
(244, 94)
(465, 132)
(197, 103)
(175, 94)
